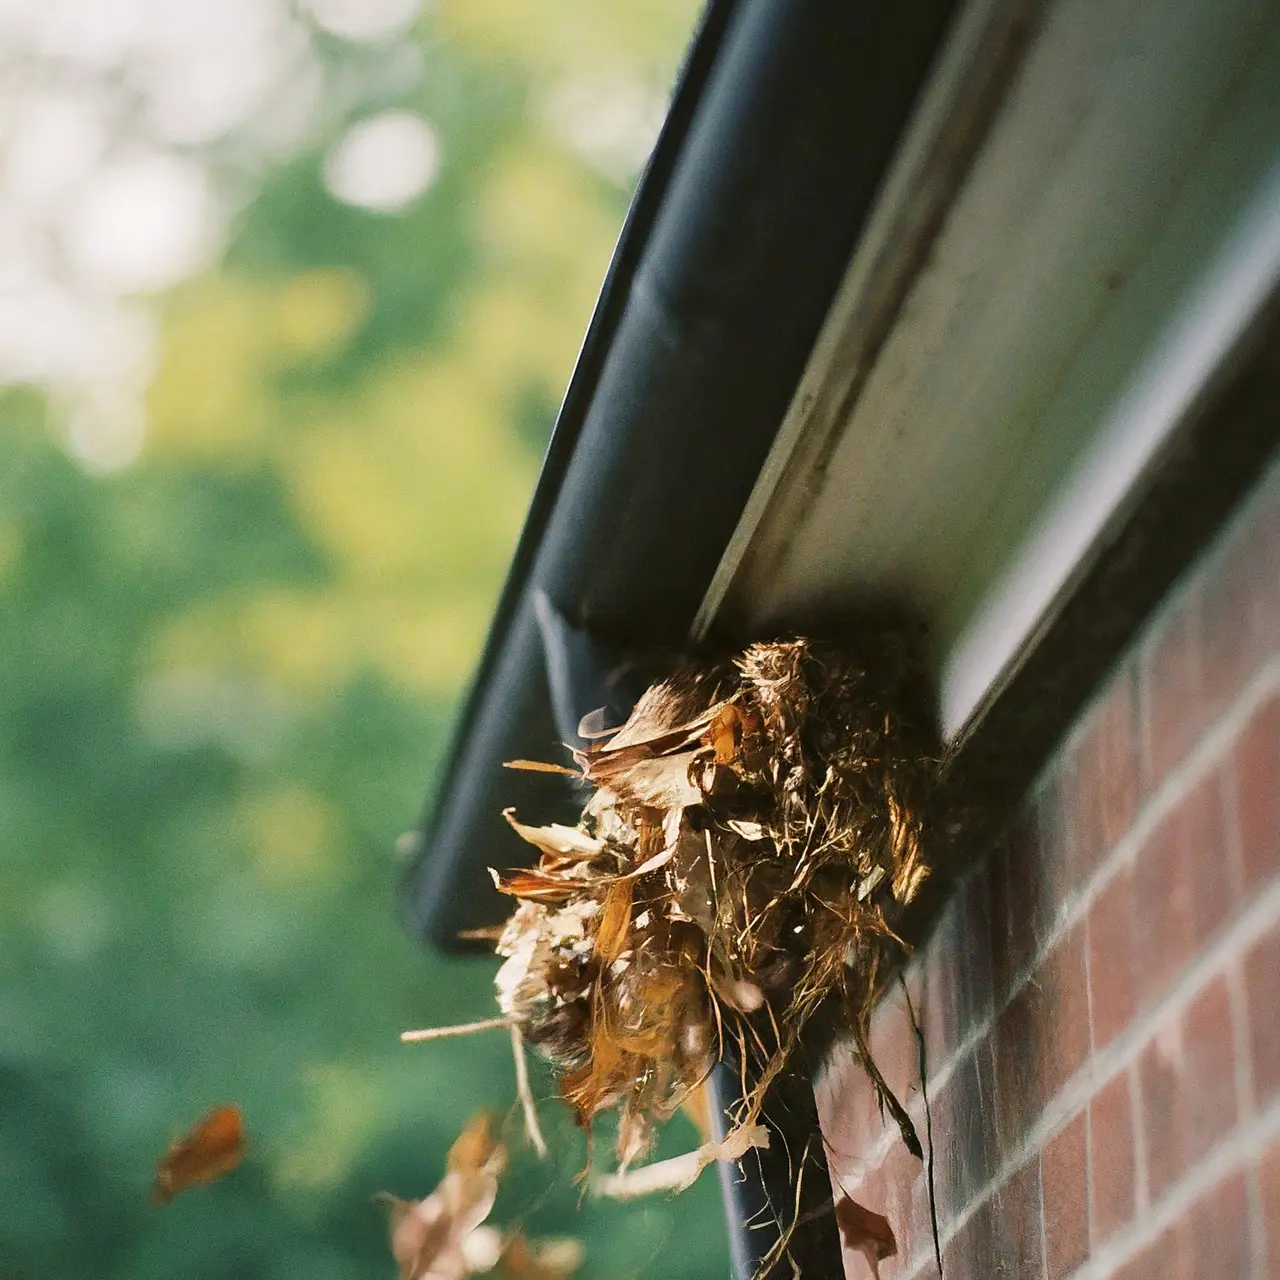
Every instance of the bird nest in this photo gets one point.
(754, 832)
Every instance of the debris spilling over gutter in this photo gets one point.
(755, 830)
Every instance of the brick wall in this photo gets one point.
(1101, 1000)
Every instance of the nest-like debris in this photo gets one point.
(755, 830)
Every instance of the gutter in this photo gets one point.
(782, 127)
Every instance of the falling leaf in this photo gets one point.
(213, 1147)
(429, 1236)
(866, 1232)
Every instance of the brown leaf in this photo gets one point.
(866, 1232)
(474, 1147)
(556, 837)
(724, 734)
(615, 922)
(429, 1236)
(661, 782)
(213, 1147)
(417, 1238)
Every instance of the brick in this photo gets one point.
(1175, 708)
(1187, 1078)
(1182, 896)
(847, 1111)
(1019, 1241)
(894, 1048)
(1255, 785)
(1103, 792)
(1112, 1167)
(966, 1157)
(1214, 1238)
(1056, 802)
(1041, 1038)
(1019, 1080)
(1065, 1186)
(958, 992)
(1003, 1237)
(970, 1253)
(1160, 1260)
(1020, 905)
(1262, 990)
(1242, 597)
(1064, 1012)
(1269, 1194)
(1109, 929)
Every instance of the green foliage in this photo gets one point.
(229, 675)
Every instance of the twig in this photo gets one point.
(462, 1029)
(531, 1126)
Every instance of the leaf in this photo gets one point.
(866, 1233)
(429, 1236)
(556, 837)
(212, 1148)
(540, 766)
(615, 922)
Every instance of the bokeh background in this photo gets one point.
(288, 296)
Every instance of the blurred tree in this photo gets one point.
(230, 671)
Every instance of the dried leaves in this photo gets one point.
(754, 832)
(212, 1148)
(866, 1232)
(442, 1237)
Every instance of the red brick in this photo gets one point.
(1064, 1029)
(1019, 1243)
(958, 995)
(1020, 901)
(1242, 599)
(1182, 889)
(1255, 778)
(847, 1108)
(1019, 1078)
(1262, 987)
(1110, 928)
(1160, 1260)
(1065, 1186)
(1057, 804)
(1187, 1076)
(1214, 1238)
(1104, 782)
(1175, 708)
(1269, 1193)
(970, 1253)
(894, 1047)
(1003, 1237)
(964, 1124)
(905, 1201)
(1112, 1172)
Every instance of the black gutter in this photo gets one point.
(784, 122)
